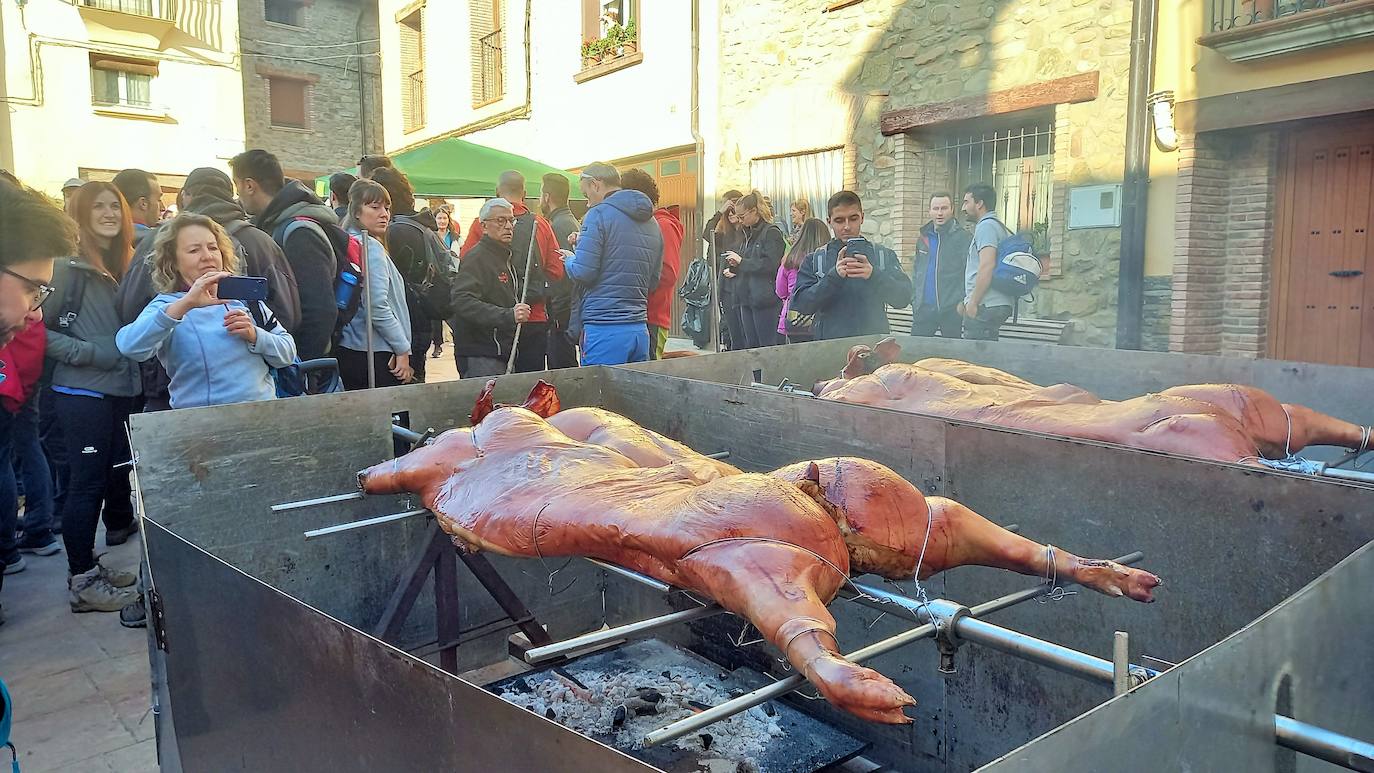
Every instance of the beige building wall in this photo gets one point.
(52, 131)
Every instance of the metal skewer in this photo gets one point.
(627, 631)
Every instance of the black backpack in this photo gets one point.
(432, 288)
(64, 315)
(350, 263)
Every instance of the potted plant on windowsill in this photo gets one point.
(630, 37)
(591, 53)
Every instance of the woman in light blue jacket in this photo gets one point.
(369, 214)
(213, 349)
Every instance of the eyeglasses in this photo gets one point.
(43, 290)
(500, 222)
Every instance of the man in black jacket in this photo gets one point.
(849, 292)
(486, 297)
(937, 272)
(209, 192)
(553, 205)
(275, 204)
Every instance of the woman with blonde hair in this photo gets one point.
(369, 215)
(801, 212)
(756, 263)
(94, 387)
(214, 350)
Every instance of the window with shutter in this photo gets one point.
(289, 103)
(120, 81)
(412, 56)
(487, 37)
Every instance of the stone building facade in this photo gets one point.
(311, 89)
(921, 96)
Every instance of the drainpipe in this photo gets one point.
(701, 166)
(1130, 295)
(362, 76)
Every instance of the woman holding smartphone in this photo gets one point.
(369, 215)
(756, 263)
(93, 387)
(213, 349)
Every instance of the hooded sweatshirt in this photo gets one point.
(207, 365)
(618, 261)
(661, 300)
(311, 256)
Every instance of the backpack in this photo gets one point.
(433, 290)
(1018, 269)
(65, 314)
(695, 293)
(349, 264)
(297, 378)
(281, 281)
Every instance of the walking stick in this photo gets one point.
(524, 292)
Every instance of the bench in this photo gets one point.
(1041, 331)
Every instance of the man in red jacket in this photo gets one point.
(545, 267)
(661, 299)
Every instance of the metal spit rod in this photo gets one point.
(783, 686)
(1323, 744)
(627, 631)
(335, 529)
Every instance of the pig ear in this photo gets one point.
(855, 367)
(484, 405)
(543, 400)
(813, 472)
(888, 350)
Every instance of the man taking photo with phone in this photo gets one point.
(849, 283)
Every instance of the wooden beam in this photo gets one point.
(1070, 90)
(1289, 102)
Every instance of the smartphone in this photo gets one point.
(859, 246)
(242, 288)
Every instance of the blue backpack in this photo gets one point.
(293, 380)
(1018, 270)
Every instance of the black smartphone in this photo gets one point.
(859, 246)
(242, 288)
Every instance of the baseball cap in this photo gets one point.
(75, 182)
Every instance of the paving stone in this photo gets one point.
(70, 735)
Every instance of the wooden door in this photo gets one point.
(1323, 300)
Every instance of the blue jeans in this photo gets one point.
(19, 440)
(615, 344)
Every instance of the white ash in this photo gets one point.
(741, 738)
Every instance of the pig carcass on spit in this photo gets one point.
(773, 549)
(1223, 422)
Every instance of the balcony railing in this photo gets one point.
(155, 9)
(1234, 14)
(415, 100)
(490, 85)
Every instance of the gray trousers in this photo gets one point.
(472, 367)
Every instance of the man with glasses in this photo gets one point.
(32, 234)
(617, 264)
(486, 297)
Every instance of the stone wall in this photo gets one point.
(801, 79)
(340, 126)
(1155, 314)
(1226, 203)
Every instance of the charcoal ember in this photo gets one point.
(521, 686)
(769, 710)
(650, 694)
(667, 674)
(618, 719)
(549, 713)
(706, 739)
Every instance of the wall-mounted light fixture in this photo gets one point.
(1161, 104)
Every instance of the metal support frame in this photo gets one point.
(619, 633)
(1323, 744)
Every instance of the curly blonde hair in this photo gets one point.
(162, 261)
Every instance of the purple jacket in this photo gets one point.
(783, 286)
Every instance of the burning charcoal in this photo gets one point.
(570, 677)
(769, 710)
(618, 719)
(706, 739)
(667, 674)
(549, 713)
(650, 694)
(520, 685)
(698, 705)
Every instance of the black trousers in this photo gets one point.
(94, 430)
(760, 325)
(353, 368)
(562, 352)
(733, 320)
(926, 320)
(533, 348)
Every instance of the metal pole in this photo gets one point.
(1045, 653)
(524, 293)
(408, 435)
(630, 574)
(1121, 663)
(362, 524)
(627, 631)
(711, 253)
(1323, 744)
(284, 506)
(367, 301)
(1343, 474)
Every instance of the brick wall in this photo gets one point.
(1223, 243)
(339, 125)
(1155, 314)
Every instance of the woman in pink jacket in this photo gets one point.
(812, 236)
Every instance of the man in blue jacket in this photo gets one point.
(618, 258)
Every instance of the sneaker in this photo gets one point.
(48, 548)
(438, 352)
(120, 536)
(90, 592)
(116, 577)
(134, 615)
(15, 565)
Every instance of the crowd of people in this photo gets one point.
(114, 305)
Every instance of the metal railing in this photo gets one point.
(491, 84)
(1232, 14)
(157, 9)
(414, 103)
(1018, 163)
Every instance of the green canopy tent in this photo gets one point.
(454, 169)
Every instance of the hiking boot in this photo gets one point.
(15, 565)
(90, 592)
(119, 578)
(40, 548)
(134, 615)
(120, 536)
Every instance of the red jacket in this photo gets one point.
(21, 364)
(661, 299)
(543, 238)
